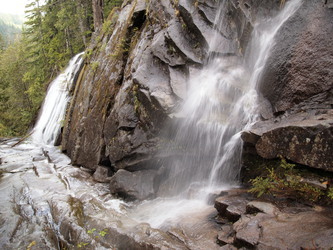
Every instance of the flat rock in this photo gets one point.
(261, 207)
(226, 235)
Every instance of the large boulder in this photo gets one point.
(304, 137)
(296, 92)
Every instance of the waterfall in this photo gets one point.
(221, 102)
(53, 110)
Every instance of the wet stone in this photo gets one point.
(248, 231)
(226, 235)
(102, 174)
(231, 207)
(138, 185)
(254, 207)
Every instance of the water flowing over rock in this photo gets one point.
(52, 115)
(172, 55)
(120, 107)
(157, 110)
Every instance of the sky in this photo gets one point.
(13, 6)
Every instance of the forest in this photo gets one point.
(54, 31)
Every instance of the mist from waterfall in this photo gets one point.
(221, 102)
(53, 110)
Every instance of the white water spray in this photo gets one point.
(53, 110)
(221, 102)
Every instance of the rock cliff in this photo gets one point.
(136, 69)
(135, 77)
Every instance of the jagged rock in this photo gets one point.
(102, 174)
(164, 49)
(226, 235)
(261, 207)
(137, 185)
(247, 230)
(300, 65)
(231, 207)
(304, 137)
(119, 108)
(264, 226)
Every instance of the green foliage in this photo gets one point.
(103, 232)
(330, 193)
(94, 66)
(109, 5)
(285, 180)
(82, 244)
(54, 32)
(261, 186)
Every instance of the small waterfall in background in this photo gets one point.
(53, 110)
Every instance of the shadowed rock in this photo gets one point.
(137, 185)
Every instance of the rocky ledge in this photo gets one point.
(304, 137)
(256, 224)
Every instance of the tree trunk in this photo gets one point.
(98, 13)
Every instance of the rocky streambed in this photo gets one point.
(48, 204)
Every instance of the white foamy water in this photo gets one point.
(53, 110)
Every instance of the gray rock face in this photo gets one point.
(135, 76)
(137, 185)
(102, 174)
(304, 137)
(301, 62)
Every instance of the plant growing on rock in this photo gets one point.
(286, 180)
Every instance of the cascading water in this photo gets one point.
(221, 102)
(54, 107)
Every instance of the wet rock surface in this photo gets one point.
(48, 204)
(135, 77)
(137, 185)
(264, 225)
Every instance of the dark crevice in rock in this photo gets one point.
(196, 33)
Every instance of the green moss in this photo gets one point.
(94, 66)
(77, 209)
